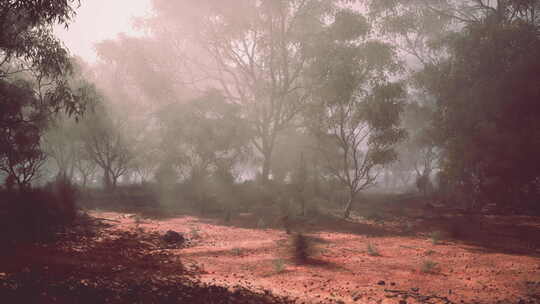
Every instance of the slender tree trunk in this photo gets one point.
(348, 207)
(107, 183)
(302, 204)
(265, 177)
(114, 182)
(84, 181)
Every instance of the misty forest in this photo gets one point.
(273, 151)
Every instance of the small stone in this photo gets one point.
(173, 237)
(381, 283)
(415, 289)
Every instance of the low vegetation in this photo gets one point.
(372, 250)
(429, 266)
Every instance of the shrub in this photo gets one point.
(435, 237)
(409, 227)
(36, 214)
(261, 224)
(279, 265)
(195, 233)
(372, 250)
(429, 266)
(302, 248)
(237, 251)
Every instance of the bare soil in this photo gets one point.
(417, 259)
(396, 256)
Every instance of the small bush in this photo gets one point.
(261, 224)
(195, 233)
(435, 237)
(237, 251)
(372, 250)
(302, 248)
(429, 266)
(375, 217)
(409, 226)
(279, 265)
(36, 214)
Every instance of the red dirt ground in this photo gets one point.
(503, 268)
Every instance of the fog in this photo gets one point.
(380, 119)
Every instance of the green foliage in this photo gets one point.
(37, 214)
(372, 250)
(435, 237)
(279, 265)
(493, 112)
(429, 266)
(195, 233)
(21, 125)
(106, 144)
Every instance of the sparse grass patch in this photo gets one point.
(261, 224)
(372, 250)
(429, 266)
(279, 265)
(374, 216)
(409, 227)
(435, 237)
(195, 233)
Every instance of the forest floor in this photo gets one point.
(403, 258)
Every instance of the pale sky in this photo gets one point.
(98, 20)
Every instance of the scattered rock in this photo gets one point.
(415, 289)
(381, 283)
(173, 237)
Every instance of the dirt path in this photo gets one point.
(407, 269)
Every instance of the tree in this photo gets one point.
(27, 44)
(359, 108)
(31, 58)
(490, 124)
(106, 145)
(20, 133)
(203, 135)
(257, 58)
(481, 85)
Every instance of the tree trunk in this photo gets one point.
(107, 183)
(302, 205)
(84, 181)
(265, 177)
(114, 182)
(348, 207)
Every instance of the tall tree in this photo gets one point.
(481, 86)
(359, 107)
(256, 52)
(21, 127)
(106, 145)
